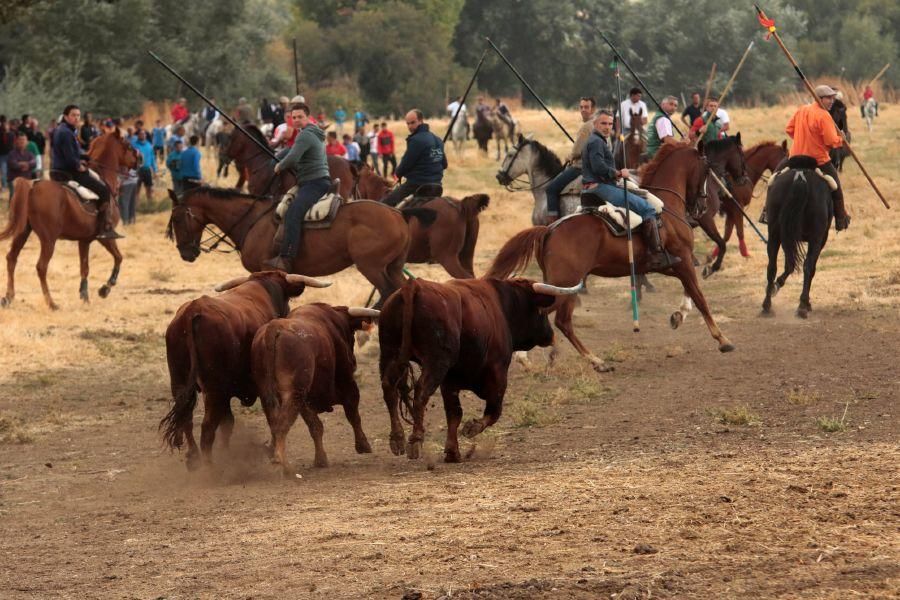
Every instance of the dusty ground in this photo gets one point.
(768, 472)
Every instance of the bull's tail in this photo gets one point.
(409, 299)
(518, 252)
(792, 217)
(181, 413)
(472, 206)
(18, 209)
(268, 391)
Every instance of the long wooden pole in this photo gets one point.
(635, 320)
(466, 95)
(812, 92)
(709, 81)
(730, 81)
(296, 70)
(880, 73)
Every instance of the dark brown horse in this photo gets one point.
(581, 245)
(371, 235)
(55, 213)
(450, 240)
(258, 166)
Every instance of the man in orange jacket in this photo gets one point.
(814, 134)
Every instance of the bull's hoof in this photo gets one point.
(83, 294)
(397, 445)
(676, 320)
(363, 447)
(726, 347)
(53, 305)
(472, 428)
(192, 462)
(767, 313)
(104, 290)
(413, 450)
(602, 367)
(451, 455)
(5, 302)
(775, 289)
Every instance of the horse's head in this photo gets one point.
(114, 151)
(726, 157)
(371, 185)
(186, 224)
(637, 122)
(517, 161)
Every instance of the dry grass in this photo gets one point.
(738, 416)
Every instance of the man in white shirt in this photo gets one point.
(723, 119)
(632, 105)
(660, 131)
(453, 107)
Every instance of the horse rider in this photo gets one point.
(661, 131)
(587, 107)
(306, 158)
(244, 111)
(68, 163)
(482, 110)
(423, 163)
(632, 104)
(716, 127)
(454, 107)
(814, 134)
(179, 112)
(599, 176)
(868, 94)
(502, 111)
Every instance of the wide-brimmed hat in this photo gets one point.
(823, 91)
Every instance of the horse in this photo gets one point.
(582, 245)
(483, 130)
(459, 132)
(209, 137)
(765, 156)
(870, 111)
(532, 158)
(371, 235)
(800, 209)
(635, 142)
(450, 240)
(54, 212)
(502, 130)
(259, 166)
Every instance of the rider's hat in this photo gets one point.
(824, 91)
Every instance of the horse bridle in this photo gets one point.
(521, 178)
(217, 237)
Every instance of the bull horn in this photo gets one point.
(309, 281)
(232, 283)
(553, 290)
(357, 311)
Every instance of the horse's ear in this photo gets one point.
(784, 146)
(521, 138)
(737, 138)
(117, 133)
(530, 137)
(174, 197)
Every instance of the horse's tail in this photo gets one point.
(791, 220)
(517, 253)
(181, 413)
(18, 209)
(426, 216)
(471, 207)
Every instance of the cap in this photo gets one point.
(298, 98)
(823, 91)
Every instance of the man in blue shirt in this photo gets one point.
(147, 170)
(423, 163)
(158, 136)
(173, 162)
(190, 165)
(340, 115)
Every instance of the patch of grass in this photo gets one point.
(534, 410)
(157, 204)
(588, 389)
(738, 415)
(12, 431)
(116, 344)
(161, 276)
(833, 425)
(37, 381)
(616, 353)
(799, 397)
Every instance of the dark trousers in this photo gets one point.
(375, 163)
(308, 194)
(557, 185)
(84, 179)
(127, 198)
(388, 158)
(400, 192)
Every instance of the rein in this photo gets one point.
(521, 178)
(217, 237)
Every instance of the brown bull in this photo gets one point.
(463, 334)
(304, 364)
(208, 350)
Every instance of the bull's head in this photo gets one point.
(289, 278)
(185, 227)
(526, 307)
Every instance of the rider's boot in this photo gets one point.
(104, 221)
(657, 258)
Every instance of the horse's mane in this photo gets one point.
(255, 132)
(649, 170)
(222, 193)
(717, 145)
(547, 161)
(764, 144)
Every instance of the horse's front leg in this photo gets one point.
(113, 249)
(84, 250)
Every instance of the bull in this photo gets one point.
(208, 350)
(463, 334)
(304, 364)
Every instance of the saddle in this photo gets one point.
(807, 163)
(424, 193)
(575, 189)
(322, 213)
(612, 216)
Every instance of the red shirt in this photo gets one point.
(179, 112)
(868, 94)
(335, 149)
(385, 142)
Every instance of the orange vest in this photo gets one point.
(814, 133)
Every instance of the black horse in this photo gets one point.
(799, 209)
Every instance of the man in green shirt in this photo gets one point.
(711, 132)
(660, 131)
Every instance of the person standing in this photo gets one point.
(67, 164)
(21, 162)
(586, 106)
(362, 140)
(373, 147)
(692, 111)
(191, 175)
(38, 137)
(128, 188)
(86, 134)
(352, 150)
(38, 171)
(360, 119)
(173, 163)
(386, 149)
(340, 116)
(661, 130)
(334, 147)
(423, 162)
(177, 136)
(147, 171)
(158, 136)
(7, 140)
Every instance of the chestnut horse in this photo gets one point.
(582, 245)
(54, 213)
(450, 240)
(258, 166)
(371, 235)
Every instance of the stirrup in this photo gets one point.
(109, 234)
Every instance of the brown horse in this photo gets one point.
(450, 240)
(54, 213)
(635, 143)
(582, 245)
(258, 165)
(371, 235)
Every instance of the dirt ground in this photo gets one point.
(771, 471)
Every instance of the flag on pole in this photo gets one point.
(766, 22)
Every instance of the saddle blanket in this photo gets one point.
(83, 192)
(320, 215)
(613, 216)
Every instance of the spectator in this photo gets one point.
(38, 138)
(266, 111)
(177, 136)
(386, 149)
(86, 133)
(21, 162)
(360, 119)
(362, 140)
(244, 111)
(210, 115)
(180, 112)
(284, 134)
(373, 147)
(340, 116)
(6, 146)
(127, 194)
(632, 104)
(281, 111)
(147, 170)
(38, 171)
(693, 111)
(223, 140)
(25, 126)
(173, 163)
(190, 165)
(139, 127)
(320, 121)
(352, 150)
(334, 147)
(158, 138)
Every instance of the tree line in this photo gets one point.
(388, 55)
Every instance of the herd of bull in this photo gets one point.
(247, 343)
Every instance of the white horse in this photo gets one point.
(870, 111)
(214, 128)
(458, 133)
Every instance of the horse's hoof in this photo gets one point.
(5, 302)
(53, 306)
(676, 320)
(767, 313)
(728, 347)
(452, 456)
(802, 312)
(413, 450)
(104, 291)
(192, 463)
(707, 271)
(397, 445)
(363, 447)
(472, 428)
(602, 367)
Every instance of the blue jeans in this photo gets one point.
(613, 195)
(308, 194)
(557, 185)
(127, 195)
